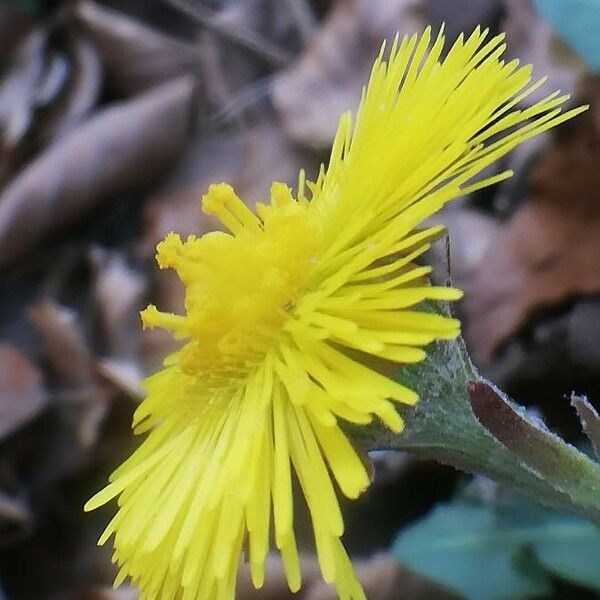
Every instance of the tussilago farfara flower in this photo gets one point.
(281, 310)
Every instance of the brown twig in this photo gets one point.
(243, 37)
(243, 100)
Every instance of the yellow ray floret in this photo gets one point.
(280, 312)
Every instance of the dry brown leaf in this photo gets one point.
(18, 99)
(52, 86)
(119, 292)
(382, 578)
(124, 375)
(80, 94)
(228, 67)
(136, 57)
(22, 394)
(328, 78)
(242, 32)
(590, 420)
(82, 402)
(18, 96)
(124, 146)
(64, 345)
(548, 252)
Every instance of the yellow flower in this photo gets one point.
(280, 314)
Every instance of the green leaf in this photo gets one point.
(463, 547)
(575, 556)
(565, 545)
(476, 549)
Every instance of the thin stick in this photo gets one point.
(247, 97)
(243, 37)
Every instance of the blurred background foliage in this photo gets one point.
(115, 115)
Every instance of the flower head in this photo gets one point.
(282, 310)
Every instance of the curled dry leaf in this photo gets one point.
(80, 92)
(55, 76)
(590, 420)
(81, 402)
(229, 66)
(123, 375)
(22, 394)
(119, 291)
(327, 79)
(18, 91)
(124, 146)
(52, 86)
(135, 56)
(63, 343)
(547, 253)
(238, 33)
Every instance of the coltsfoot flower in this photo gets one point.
(281, 312)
